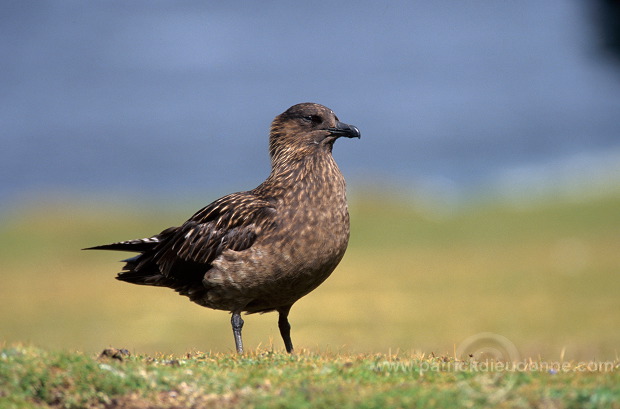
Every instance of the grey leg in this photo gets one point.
(237, 324)
(285, 328)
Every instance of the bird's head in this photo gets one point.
(305, 129)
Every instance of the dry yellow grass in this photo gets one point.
(545, 277)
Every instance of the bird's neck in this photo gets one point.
(307, 173)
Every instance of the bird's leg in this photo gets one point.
(237, 324)
(285, 328)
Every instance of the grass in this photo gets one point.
(414, 287)
(264, 378)
(545, 277)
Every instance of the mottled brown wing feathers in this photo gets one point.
(183, 254)
(232, 222)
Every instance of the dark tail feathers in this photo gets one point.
(138, 245)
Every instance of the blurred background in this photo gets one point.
(485, 191)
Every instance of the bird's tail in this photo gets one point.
(144, 268)
(137, 245)
(140, 269)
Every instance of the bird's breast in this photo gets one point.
(309, 238)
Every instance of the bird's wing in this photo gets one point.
(178, 257)
(230, 223)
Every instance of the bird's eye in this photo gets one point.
(312, 118)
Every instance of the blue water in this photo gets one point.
(170, 99)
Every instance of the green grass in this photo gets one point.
(264, 378)
(413, 287)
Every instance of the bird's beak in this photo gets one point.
(342, 129)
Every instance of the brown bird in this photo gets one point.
(263, 249)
